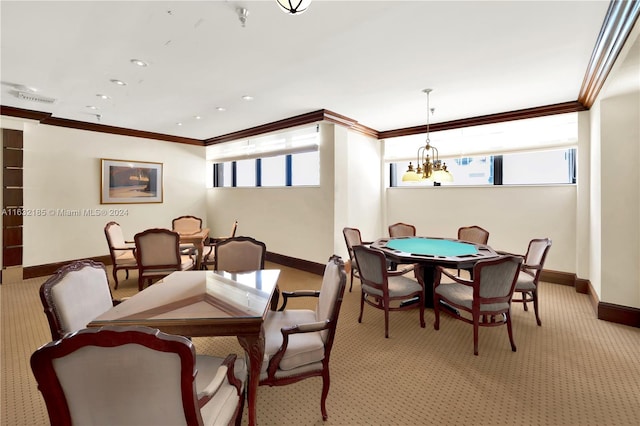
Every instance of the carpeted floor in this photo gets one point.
(574, 370)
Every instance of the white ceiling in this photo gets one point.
(367, 60)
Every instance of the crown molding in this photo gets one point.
(541, 111)
(618, 23)
(48, 119)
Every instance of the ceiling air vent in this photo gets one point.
(27, 96)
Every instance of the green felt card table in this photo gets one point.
(431, 252)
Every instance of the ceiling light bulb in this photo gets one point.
(197, 117)
(118, 82)
(221, 109)
(92, 107)
(179, 124)
(247, 98)
(102, 96)
(139, 62)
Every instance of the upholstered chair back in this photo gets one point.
(372, 266)
(536, 254)
(497, 280)
(473, 234)
(402, 230)
(75, 295)
(158, 248)
(352, 237)
(115, 238)
(240, 254)
(119, 376)
(187, 224)
(330, 290)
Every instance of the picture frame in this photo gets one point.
(130, 182)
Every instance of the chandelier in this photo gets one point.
(294, 7)
(428, 162)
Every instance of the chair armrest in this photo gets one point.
(225, 371)
(402, 271)
(457, 279)
(506, 253)
(310, 327)
(298, 293)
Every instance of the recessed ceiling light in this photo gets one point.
(118, 82)
(178, 124)
(197, 117)
(221, 109)
(247, 98)
(92, 107)
(103, 96)
(139, 62)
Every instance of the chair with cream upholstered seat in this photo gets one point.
(158, 255)
(75, 295)
(352, 238)
(529, 275)
(488, 295)
(384, 289)
(136, 376)
(122, 252)
(298, 342)
(185, 225)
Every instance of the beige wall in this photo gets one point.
(620, 199)
(513, 215)
(62, 171)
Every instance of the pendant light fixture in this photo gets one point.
(429, 166)
(294, 7)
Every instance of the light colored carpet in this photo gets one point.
(574, 370)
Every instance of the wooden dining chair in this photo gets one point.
(473, 234)
(74, 295)
(485, 298)
(209, 251)
(402, 230)
(298, 342)
(384, 289)
(529, 275)
(185, 225)
(136, 376)
(122, 252)
(158, 254)
(239, 254)
(352, 238)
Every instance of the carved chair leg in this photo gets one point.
(510, 331)
(534, 295)
(326, 382)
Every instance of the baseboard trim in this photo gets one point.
(292, 262)
(50, 268)
(558, 277)
(619, 314)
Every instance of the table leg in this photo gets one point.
(200, 247)
(254, 347)
(427, 276)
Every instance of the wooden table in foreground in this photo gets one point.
(205, 303)
(197, 239)
(431, 252)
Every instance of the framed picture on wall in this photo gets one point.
(129, 182)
